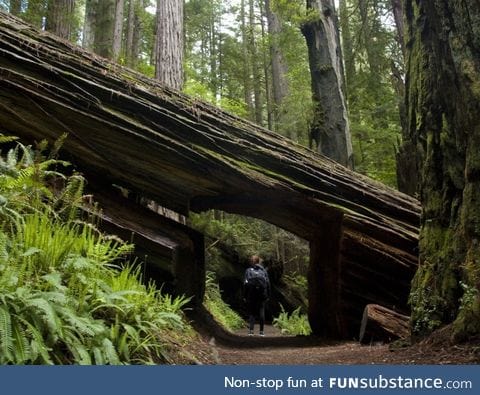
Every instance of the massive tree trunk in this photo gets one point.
(60, 16)
(279, 65)
(169, 54)
(330, 129)
(104, 30)
(443, 100)
(104, 25)
(129, 130)
(88, 41)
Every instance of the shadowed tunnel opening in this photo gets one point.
(324, 234)
(230, 240)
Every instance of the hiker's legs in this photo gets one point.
(252, 310)
(261, 314)
(251, 322)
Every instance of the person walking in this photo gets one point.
(256, 288)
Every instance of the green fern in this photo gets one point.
(6, 335)
(22, 350)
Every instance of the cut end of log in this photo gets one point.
(380, 324)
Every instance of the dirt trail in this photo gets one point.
(251, 352)
(221, 347)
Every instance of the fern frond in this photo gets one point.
(110, 352)
(80, 353)
(22, 350)
(7, 139)
(98, 356)
(47, 312)
(6, 336)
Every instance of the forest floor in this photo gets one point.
(276, 349)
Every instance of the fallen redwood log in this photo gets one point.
(126, 129)
(382, 324)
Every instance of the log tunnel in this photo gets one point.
(124, 128)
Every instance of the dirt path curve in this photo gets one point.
(341, 353)
(276, 349)
(338, 353)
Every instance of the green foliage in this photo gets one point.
(67, 295)
(295, 323)
(218, 308)
(249, 236)
(374, 67)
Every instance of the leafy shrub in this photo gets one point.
(295, 323)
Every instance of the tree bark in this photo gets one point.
(398, 16)
(247, 79)
(347, 43)
(443, 101)
(382, 324)
(104, 27)
(60, 15)
(256, 68)
(129, 58)
(118, 30)
(169, 59)
(279, 65)
(266, 73)
(90, 22)
(407, 169)
(330, 128)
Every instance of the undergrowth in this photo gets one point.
(294, 323)
(221, 311)
(68, 294)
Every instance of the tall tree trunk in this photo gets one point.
(169, 59)
(443, 101)
(407, 171)
(348, 44)
(266, 72)
(129, 60)
(256, 68)
(330, 129)
(398, 16)
(117, 30)
(15, 7)
(89, 24)
(247, 82)
(279, 65)
(60, 14)
(105, 24)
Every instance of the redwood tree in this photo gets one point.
(60, 14)
(443, 102)
(330, 128)
(169, 43)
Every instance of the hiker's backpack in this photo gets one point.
(256, 283)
